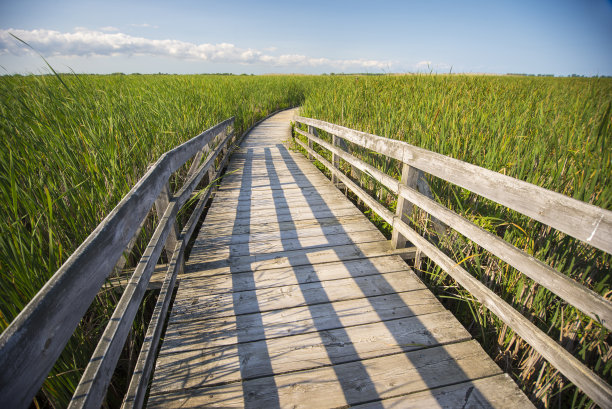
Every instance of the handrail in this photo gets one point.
(547, 205)
(35, 339)
(581, 220)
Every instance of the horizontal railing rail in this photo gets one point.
(583, 221)
(32, 343)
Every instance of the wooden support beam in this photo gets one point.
(404, 208)
(313, 131)
(161, 204)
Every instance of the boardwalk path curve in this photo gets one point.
(292, 298)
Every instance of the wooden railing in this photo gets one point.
(583, 221)
(31, 344)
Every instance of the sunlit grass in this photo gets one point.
(72, 146)
(552, 132)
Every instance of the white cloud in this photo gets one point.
(83, 43)
(144, 25)
(109, 29)
(423, 64)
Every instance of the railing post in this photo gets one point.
(161, 203)
(311, 130)
(335, 159)
(404, 208)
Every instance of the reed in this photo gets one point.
(72, 147)
(552, 132)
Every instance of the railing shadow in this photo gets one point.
(247, 352)
(358, 380)
(253, 322)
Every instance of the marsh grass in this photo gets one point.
(72, 146)
(552, 132)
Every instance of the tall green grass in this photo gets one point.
(552, 132)
(71, 148)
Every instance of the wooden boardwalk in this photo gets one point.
(292, 298)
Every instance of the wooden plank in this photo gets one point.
(58, 307)
(289, 190)
(264, 226)
(335, 158)
(344, 384)
(497, 391)
(211, 331)
(584, 221)
(221, 250)
(248, 205)
(194, 304)
(288, 214)
(291, 237)
(282, 177)
(222, 234)
(203, 366)
(311, 130)
(224, 280)
(294, 258)
(155, 282)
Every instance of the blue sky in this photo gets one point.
(547, 37)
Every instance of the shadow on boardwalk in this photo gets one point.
(315, 313)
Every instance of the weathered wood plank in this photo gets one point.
(289, 215)
(584, 221)
(59, 306)
(265, 226)
(404, 207)
(155, 282)
(350, 383)
(222, 233)
(275, 204)
(204, 366)
(298, 212)
(220, 250)
(491, 392)
(224, 280)
(194, 303)
(288, 192)
(161, 204)
(294, 258)
(211, 331)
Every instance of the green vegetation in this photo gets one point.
(72, 146)
(555, 133)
